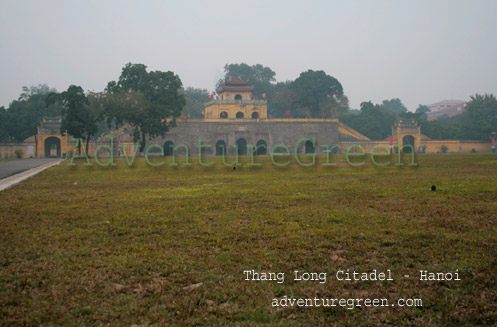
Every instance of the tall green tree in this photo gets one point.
(320, 94)
(40, 89)
(195, 102)
(439, 130)
(334, 106)
(74, 113)
(127, 108)
(77, 119)
(3, 128)
(374, 121)
(283, 102)
(24, 115)
(394, 105)
(480, 117)
(423, 111)
(261, 77)
(97, 109)
(161, 97)
(83, 115)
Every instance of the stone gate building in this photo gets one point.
(236, 122)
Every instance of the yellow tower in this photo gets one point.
(235, 101)
(407, 132)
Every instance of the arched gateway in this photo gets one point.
(52, 147)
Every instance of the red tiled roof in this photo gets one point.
(236, 81)
(235, 85)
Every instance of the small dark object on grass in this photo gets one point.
(234, 168)
(433, 188)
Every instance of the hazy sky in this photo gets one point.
(418, 51)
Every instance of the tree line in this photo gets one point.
(151, 101)
(314, 94)
(477, 122)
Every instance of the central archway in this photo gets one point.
(221, 148)
(408, 144)
(239, 115)
(241, 144)
(52, 147)
(238, 97)
(255, 115)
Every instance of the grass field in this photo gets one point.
(92, 246)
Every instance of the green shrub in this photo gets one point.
(444, 148)
(18, 153)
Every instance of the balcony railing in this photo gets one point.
(238, 102)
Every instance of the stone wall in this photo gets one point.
(273, 132)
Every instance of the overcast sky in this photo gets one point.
(419, 51)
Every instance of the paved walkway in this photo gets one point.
(9, 168)
(15, 171)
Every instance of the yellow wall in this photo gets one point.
(232, 95)
(7, 151)
(431, 146)
(214, 109)
(434, 146)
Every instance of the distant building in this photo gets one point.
(443, 104)
(448, 110)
